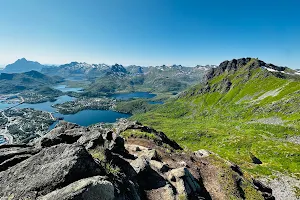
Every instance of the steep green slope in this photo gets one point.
(247, 110)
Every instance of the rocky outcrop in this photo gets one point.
(233, 65)
(229, 66)
(64, 133)
(124, 125)
(73, 162)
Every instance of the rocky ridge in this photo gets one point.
(250, 63)
(74, 162)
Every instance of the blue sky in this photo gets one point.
(150, 32)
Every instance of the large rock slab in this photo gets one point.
(92, 139)
(94, 188)
(48, 170)
(10, 155)
(64, 132)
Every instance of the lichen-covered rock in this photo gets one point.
(50, 169)
(92, 139)
(161, 138)
(13, 161)
(65, 132)
(166, 193)
(160, 166)
(93, 188)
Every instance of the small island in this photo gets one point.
(72, 107)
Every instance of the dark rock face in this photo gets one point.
(49, 169)
(229, 66)
(13, 154)
(266, 191)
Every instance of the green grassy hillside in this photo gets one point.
(242, 112)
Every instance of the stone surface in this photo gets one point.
(13, 154)
(91, 139)
(93, 188)
(202, 153)
(9, 151)
(46, 171)
(161, 167)
(184, 181)
(140, 164)
(64, 133)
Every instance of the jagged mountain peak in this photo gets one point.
(21, 59)
(118, 68)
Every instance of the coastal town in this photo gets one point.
(22, 125)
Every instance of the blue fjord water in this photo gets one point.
(127, 96)
(64, 88)
(85, 117)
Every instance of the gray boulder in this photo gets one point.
(184, 182)
(64, 132)
(92, 139)
(202, 153)
(94, 188)
(140, 164)
(48, 170)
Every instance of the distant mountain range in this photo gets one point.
(85, 70)
(92, 70)
(98, 70)
(113, 78)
